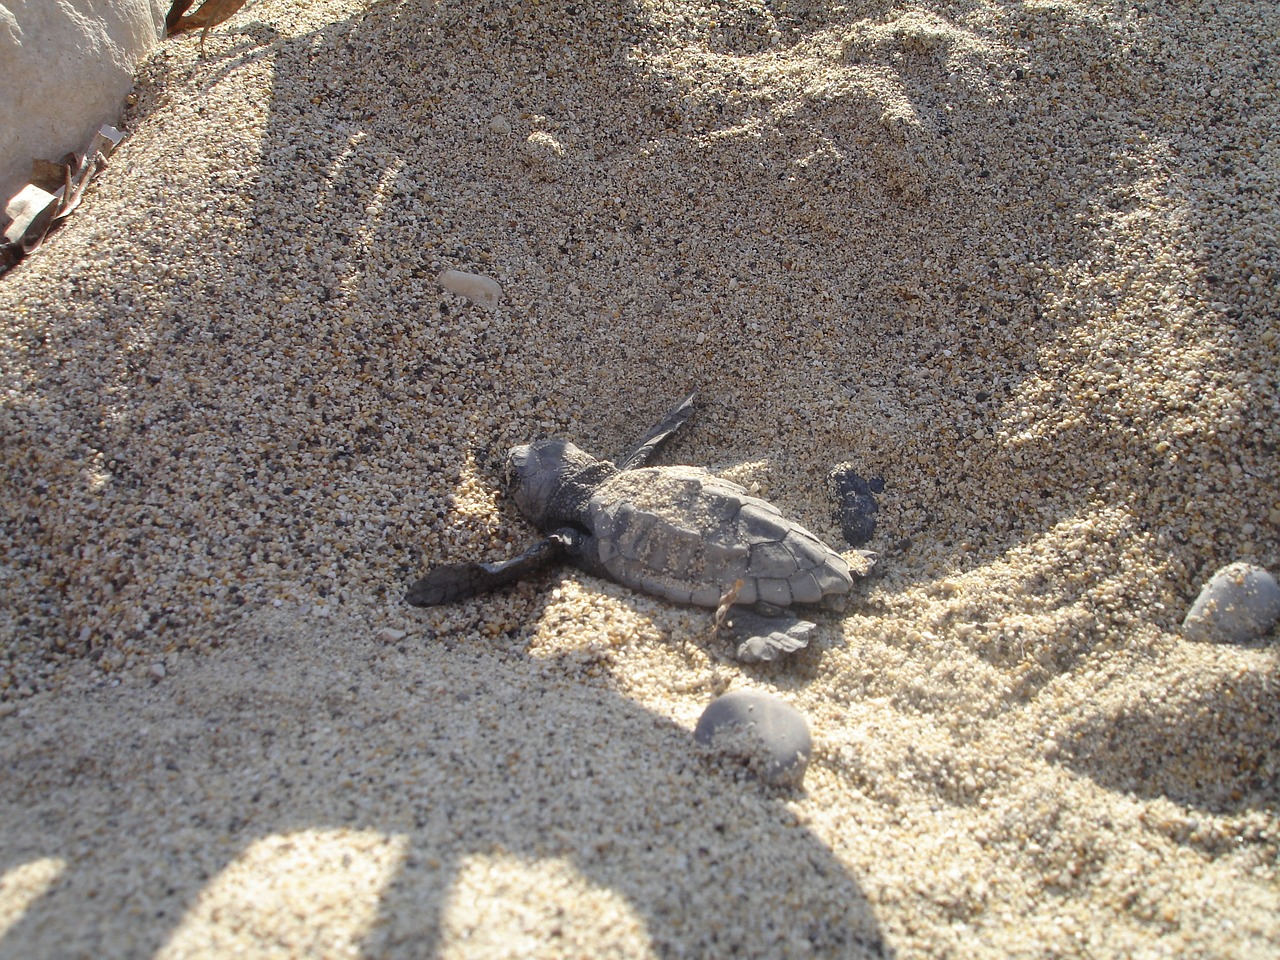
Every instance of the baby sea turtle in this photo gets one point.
(679, 533)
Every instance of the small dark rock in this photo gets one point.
(855, 503)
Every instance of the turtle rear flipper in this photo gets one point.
(659, 434)
(763, 637)
(461, 581)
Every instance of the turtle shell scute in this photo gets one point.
(686, 535)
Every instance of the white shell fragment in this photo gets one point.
(1239, 604)
(764, 730)
(29, 211)
(474, 286)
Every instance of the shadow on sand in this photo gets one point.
(149, 792)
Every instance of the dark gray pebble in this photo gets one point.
(855, 503)
(764, 730)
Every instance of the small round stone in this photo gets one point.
(766, 731)
(1239, 604)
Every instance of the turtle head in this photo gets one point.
(552, 480)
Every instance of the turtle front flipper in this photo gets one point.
(762, 637)
(461, 581)
(659, 434)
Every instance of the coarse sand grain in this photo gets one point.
(1017, 259)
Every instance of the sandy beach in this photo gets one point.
(1017, 260)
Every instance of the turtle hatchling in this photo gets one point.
(679, 533)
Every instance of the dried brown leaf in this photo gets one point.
(210, 14)
(50, 176)
(54, 191)
(722, 611)
(175, 14)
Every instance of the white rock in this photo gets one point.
(480, 289)
(1239, 604)
(67, 66)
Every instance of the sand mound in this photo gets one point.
(1016, 260)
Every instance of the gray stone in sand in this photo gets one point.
(763, 729)
(679, 533)
(1239, 604)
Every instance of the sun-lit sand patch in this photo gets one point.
(20, 886)
(278, 898)
(504, 908)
